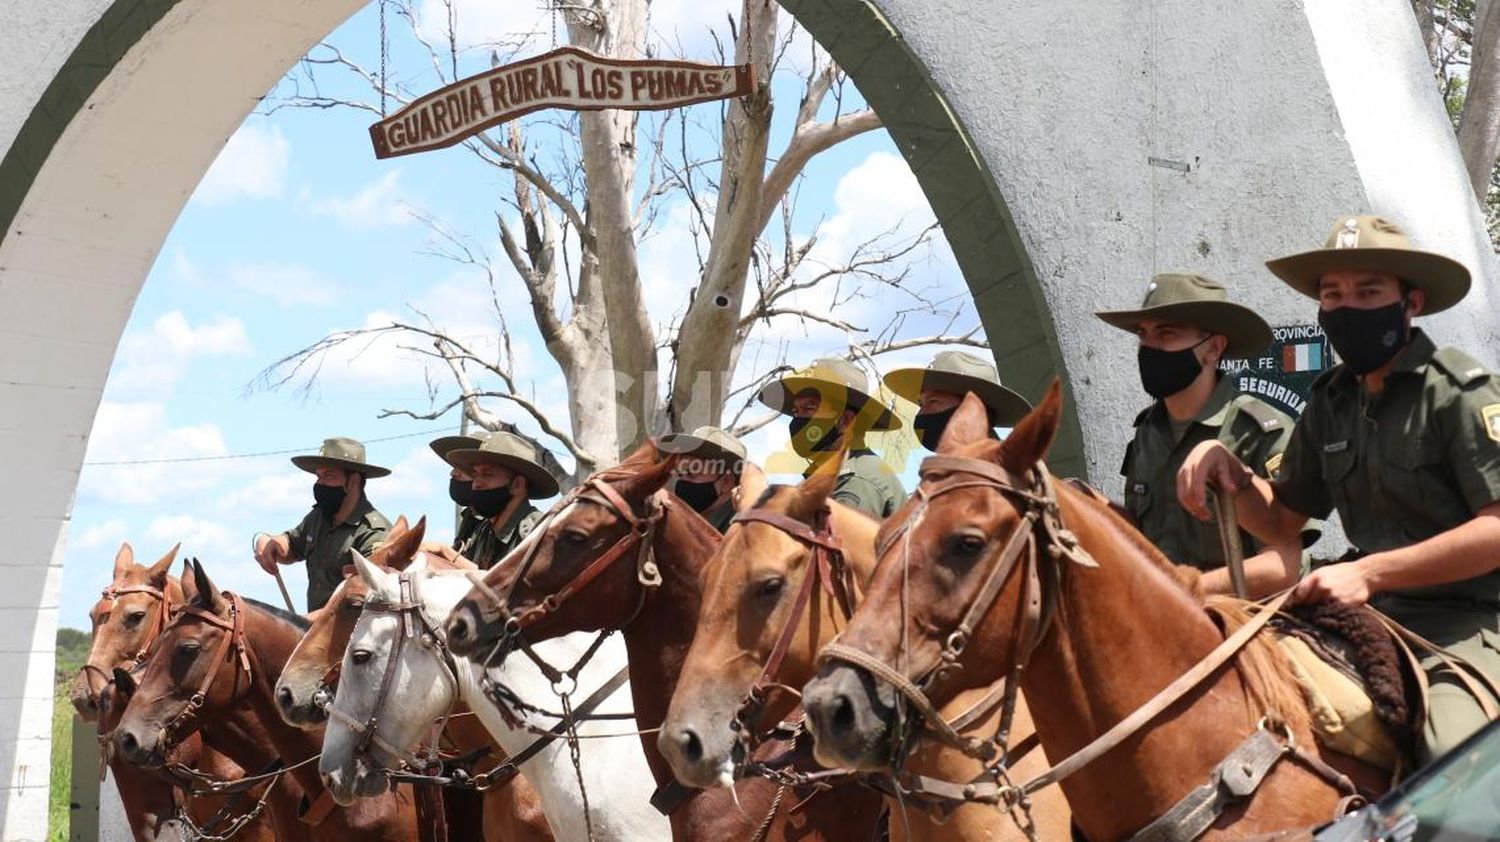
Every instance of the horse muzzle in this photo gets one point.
(354, 780)
(849, 720)
(701, 756)
(137, 747)
(470, 633)
(301, 707)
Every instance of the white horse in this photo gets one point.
(421, 691)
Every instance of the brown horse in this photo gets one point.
(658, 620)
(126, 620)
(754, 584)
(211, 672)
(990, 546)
(511, 812)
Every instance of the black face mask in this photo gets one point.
(1366, 339)
(328, 498)
(699, 495)
(813, 435)
(1165, 373)
(460, 491)
(488, 502)
(930, 427)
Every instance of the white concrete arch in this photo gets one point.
(1070, 148)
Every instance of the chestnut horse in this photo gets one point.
(754, 586)
(991, 566)
(125, 623)
(211, 672)
(511, 812)
(651, 591)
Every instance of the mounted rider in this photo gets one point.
(1403, 439)
(831, 409)
(342, 519)
(460, 484)
(938, 389)
(1186, 325)
(507, 474)
(707, 473)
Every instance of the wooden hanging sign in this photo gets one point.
(564, 78)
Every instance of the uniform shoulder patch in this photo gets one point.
(1490, 415)
(377, 520)
(1459, 366)
(1273, 465)
(1267, 418)
(528, 523)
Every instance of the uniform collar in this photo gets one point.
(1214, 409)
(1413, 358)
(507, 530)
(849, 457)
(361, 509)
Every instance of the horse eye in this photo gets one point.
(969, 544)
(770, 588)
(575, 536)
(361, 656)
(354, 605)
(188, 647)
(135, 618)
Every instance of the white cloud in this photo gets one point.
(379, 204)
(287, 284)
(151, 361)
(252, 165)
(100, 538)
(139, 431)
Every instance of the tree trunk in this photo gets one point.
(706, 339)
(1479, 124)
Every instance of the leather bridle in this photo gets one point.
(826, 566)
(164, 608)
(231, 644)
(1041, 526)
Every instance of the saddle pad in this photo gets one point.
(1341, 710)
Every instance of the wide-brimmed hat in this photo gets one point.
(508, 450)
(340, 452)
(836, 380)
(1376, 244)
(705, 443)
(1202, 302)
(959, 372)
(468, 441)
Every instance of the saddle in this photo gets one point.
(1364, 699)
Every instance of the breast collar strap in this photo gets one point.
(826, 565)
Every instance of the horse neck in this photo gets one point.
(657, 641)
(856, 533)
(271, 642)
(1122, 631)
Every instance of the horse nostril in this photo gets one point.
(284, 697)
(458, 629)
(692, 747)
(843, 713)
(128, 743)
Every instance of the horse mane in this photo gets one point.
(1267, 677)
(1186, 577)
(296, 620)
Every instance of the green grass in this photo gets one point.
(72, 651)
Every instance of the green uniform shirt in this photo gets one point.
(326, 547)
(868, 485)
(1402, 466)
(467, 523)
(719, 514)
(1252, 430)
(489, 543)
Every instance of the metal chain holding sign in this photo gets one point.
(384, 57)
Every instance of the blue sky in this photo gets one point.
(297, 231)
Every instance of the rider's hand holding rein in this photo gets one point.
(1210, 464)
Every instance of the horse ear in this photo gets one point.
(810, 497)
(157, 574)
(970, 423)
(650, 469)
(375, 579)
(124, 560)
(752, 485)
(205, 594)
(398, 550)
(1031, 438)
(125, 681)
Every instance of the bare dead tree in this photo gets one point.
(569, 229)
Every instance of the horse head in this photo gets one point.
(594, 540)
(125, 620)
(311, 674)
(198, 666)
(771, 599)
(394, 651)
(942, 578)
